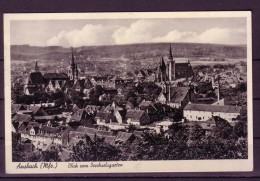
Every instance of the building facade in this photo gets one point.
(204, 112)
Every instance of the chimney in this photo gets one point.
(218, 89)
(169, 93)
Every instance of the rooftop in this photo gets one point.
(213, 108)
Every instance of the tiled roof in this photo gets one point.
(136, 114)
(88, 122)
(178, 93)
(36, 78)
(17, 107)
(212, 108)
(22, 117)
(34, 109)
(49, 129)
(103, 133)
(100, 78)
(138, 133)
(109, 139)
(145, 103)
(56, 76)
(85, 130)
(78, 115)
(123, 136)
(68, 84)
(122, 113)
(87, 84)
(34, 124)
(105, 116)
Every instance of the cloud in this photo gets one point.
(223, 36)
(141, 31)
(177, 36)
(212, 35)
(145, 31)
(88, 35)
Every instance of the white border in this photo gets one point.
(131, 166)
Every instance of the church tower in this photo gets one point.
(36, 68)
(163, 70)
(171, 66)
(72, 69)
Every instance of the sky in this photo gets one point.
(76, 33)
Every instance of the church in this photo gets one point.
(50, 82)
(170, 71)
(72, 70)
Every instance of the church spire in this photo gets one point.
(72, 56)
(163, 66)
(170, 54)
(36, 68)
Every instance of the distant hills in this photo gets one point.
(130, 51)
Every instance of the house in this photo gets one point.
(37, 110)
(20, 122)
(91, 109)
(178, 96)
(144, 104)
(104, 97)
(123, 137)
(141, 74)
(161, 98)
(175, 97)
(137, 117)
(44, 119)
(112, 107)
(103, 118)
(129, 105)
(120, 115)
(17, 107)
(87, 87)
(78, 85)
(55, 81)
(102, 81)
(35, 82)
(203, 112)
(43, 136)
(78, 116)
(162, 125)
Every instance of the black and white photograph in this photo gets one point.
(128, 92)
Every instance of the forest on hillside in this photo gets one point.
(130, 51)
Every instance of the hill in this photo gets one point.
(130, 51)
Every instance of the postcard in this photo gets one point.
(139, 92)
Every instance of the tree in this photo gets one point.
(51, 155)
(196, 133)
(131, 128)
(240, 129)
(95, 149)
(223, 128)
(20, 152)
